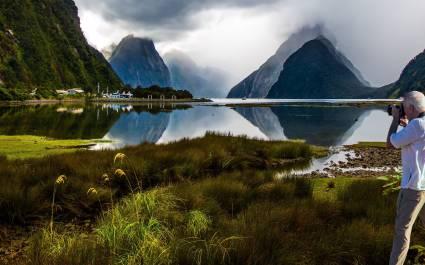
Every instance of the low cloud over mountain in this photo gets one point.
(379, 36)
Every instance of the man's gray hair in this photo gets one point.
(416, 99)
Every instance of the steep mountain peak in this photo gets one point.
(325, 41)
(138, 63)
(131, 43)
(322, 42)
(131, 37)
(258, 84)
(318, 70)
(342, 58)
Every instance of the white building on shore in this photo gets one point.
(72, 91)
(118, 94)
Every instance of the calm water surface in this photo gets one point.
(123, 125)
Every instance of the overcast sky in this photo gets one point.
(378, 36)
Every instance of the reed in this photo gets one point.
(275, 224)
(24, 182)
(59, 181)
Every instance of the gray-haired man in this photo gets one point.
(411, 140)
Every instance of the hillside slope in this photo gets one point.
(42, 46)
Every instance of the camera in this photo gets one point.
(399, 107)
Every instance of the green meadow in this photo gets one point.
(28, 146)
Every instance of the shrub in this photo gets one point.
(4, 94)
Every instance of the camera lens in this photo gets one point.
(390, 110)
(399, 108)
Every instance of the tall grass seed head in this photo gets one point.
(61, 180)
(120, 157)
(105, 178)
(120, 173)
(92, 191)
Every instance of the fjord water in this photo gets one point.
(123, 125)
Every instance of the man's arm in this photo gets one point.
(406, 136)
(393, 129)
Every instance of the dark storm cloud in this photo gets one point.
(380, 37)
(173, 14)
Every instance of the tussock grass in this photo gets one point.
(144, 228)
(26, 185)
(137, 230)
(283, 221)
(223, 211)
(66, 248)
(198, 222)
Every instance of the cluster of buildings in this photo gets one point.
(78, 91)
(118, 95)
(72, 91)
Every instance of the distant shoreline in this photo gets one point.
(99, 100)
(130, 100)
(39, 101)
(210, 102)
(276, 102)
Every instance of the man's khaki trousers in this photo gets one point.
(409, 207)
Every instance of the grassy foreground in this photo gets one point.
(26, 185)
(235, 218)
(27, 146)
(211, 200)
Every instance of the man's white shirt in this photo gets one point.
(411, 140)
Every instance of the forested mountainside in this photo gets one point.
(42, 48)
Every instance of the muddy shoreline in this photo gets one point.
(362, 162)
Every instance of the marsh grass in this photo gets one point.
(224, 210)
(298, 221)
(159, 233)
(25, 185)
(139, 236)
(198, 223)
(271, 221)
(66, 248)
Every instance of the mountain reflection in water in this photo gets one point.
(319, 125)
(134, 124)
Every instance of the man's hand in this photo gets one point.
(404, 121)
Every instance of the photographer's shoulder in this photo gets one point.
(419, 122)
